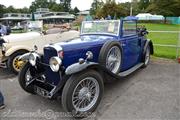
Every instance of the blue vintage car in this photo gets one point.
(76, 69)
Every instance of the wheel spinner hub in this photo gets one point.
(113, 60)
(84, 93)
(18, 63)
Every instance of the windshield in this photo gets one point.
(101, 27)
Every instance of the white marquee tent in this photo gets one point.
(148, 16)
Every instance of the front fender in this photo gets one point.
(13, 49)
(150, 43)
(24, 57)
(76, 67)
(106, 74)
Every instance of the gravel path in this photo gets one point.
(150, 93)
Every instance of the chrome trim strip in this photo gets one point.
(118, 33)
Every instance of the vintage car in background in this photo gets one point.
(14, 45)
(76, 69)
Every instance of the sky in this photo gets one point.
(81, 4)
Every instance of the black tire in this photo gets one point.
(104, 51)
(22, 81)
(11, 59)
(69, 87)
(145, 59)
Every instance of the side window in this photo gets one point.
(129, 28)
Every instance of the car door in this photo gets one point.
(132, 43)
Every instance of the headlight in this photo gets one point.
(32, 58)
(3, 47)
(55, 63)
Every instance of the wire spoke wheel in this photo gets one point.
(113, 59)
(18, 64)
(25, 78)
(147, 56)
(85, 94)
(28, 77)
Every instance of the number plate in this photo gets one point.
(40, 91)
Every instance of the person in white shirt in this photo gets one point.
(3, 30)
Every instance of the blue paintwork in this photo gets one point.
(81, 45)
(131, 18)
(132, 47)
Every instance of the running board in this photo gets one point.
(129, 71)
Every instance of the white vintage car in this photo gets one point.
(14, 45)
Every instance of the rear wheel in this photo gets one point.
(146, 57)
(82, 93)
(14, 64)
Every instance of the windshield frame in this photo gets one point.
(93, 33)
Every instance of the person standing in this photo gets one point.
(1, 101)
(3, 30)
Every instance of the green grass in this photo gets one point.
(163, 38)
(161, 27)
(165, 52)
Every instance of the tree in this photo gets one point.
(56, 8)
(67, 5)
(176, 8)
(2, 10)
(95, 6)
(112, 9)
(11, 9)
(38, 4)
(136, 8)
(51, 3)
(23, 10)
(164, 7)
(143, 4)
(126, 6)
(76, 10)
(53, 6)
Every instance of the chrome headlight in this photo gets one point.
(3, 47)
(55, 63)
(32, 58)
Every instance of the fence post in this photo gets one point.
(178, 45)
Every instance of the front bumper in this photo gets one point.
(45, 82)
(43, 88)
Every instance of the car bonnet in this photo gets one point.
(84, 39)
(20, 37)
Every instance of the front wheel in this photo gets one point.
(25, 77)
(82, 93)
(14, 64)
